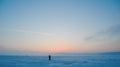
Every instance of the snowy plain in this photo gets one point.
(61, 61)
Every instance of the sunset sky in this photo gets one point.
(56, 26)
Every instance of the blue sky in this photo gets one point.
(59, 25)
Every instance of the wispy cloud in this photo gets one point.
(30, 32)
(112, 31)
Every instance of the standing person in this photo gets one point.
(49, 57)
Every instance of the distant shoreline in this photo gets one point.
(65, 54)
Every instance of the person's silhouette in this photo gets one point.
(49, 57)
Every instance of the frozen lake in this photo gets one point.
(61, 61)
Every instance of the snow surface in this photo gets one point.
(61, 61)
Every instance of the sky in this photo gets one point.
(59, 26)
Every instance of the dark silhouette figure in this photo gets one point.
(49, 57)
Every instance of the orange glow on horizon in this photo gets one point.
(58, 46)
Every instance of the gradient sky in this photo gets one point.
(47, 26)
